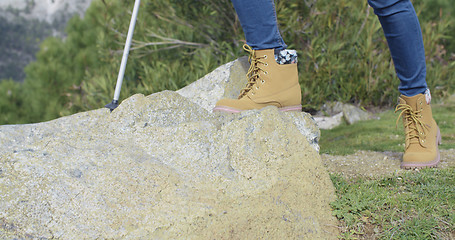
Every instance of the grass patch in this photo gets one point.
(412, 205)
(406, 205)
(383, 134)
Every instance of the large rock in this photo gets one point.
(163, 167)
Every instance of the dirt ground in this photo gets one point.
(370, 164)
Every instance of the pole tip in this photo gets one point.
(112, 105)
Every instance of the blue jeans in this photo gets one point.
(399, 23)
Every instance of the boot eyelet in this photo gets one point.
(266, 72)
(262, 81)
(265, 56)
(266, 64)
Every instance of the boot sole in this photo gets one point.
(296, 108)
(426, 164)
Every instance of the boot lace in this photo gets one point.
(412, 122)
(253, 72)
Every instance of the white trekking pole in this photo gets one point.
(126, 51)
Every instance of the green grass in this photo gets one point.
(413, 205)
(383, 134)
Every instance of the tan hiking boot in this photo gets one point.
(421, 131)
(269, 84)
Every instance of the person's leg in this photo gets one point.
(259, 23)
(272, 79)
(404, 37)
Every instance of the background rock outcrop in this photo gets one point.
(24, 24)
(337, 112)
(43, 10)
(165, 167)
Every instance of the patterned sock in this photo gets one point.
(428, 96)
(285, 56)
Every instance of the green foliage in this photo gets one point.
(343, 54)
(432, 11)
(413, 205)
(59, 69)
(80, 72)
(175, 43)
(10, 101)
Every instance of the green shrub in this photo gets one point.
(344, 55)
(11, 102)
(432, 11)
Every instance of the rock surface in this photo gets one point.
(329, 122)
(164, 167)
(353, 114)
(337, 112)
(226, 82)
